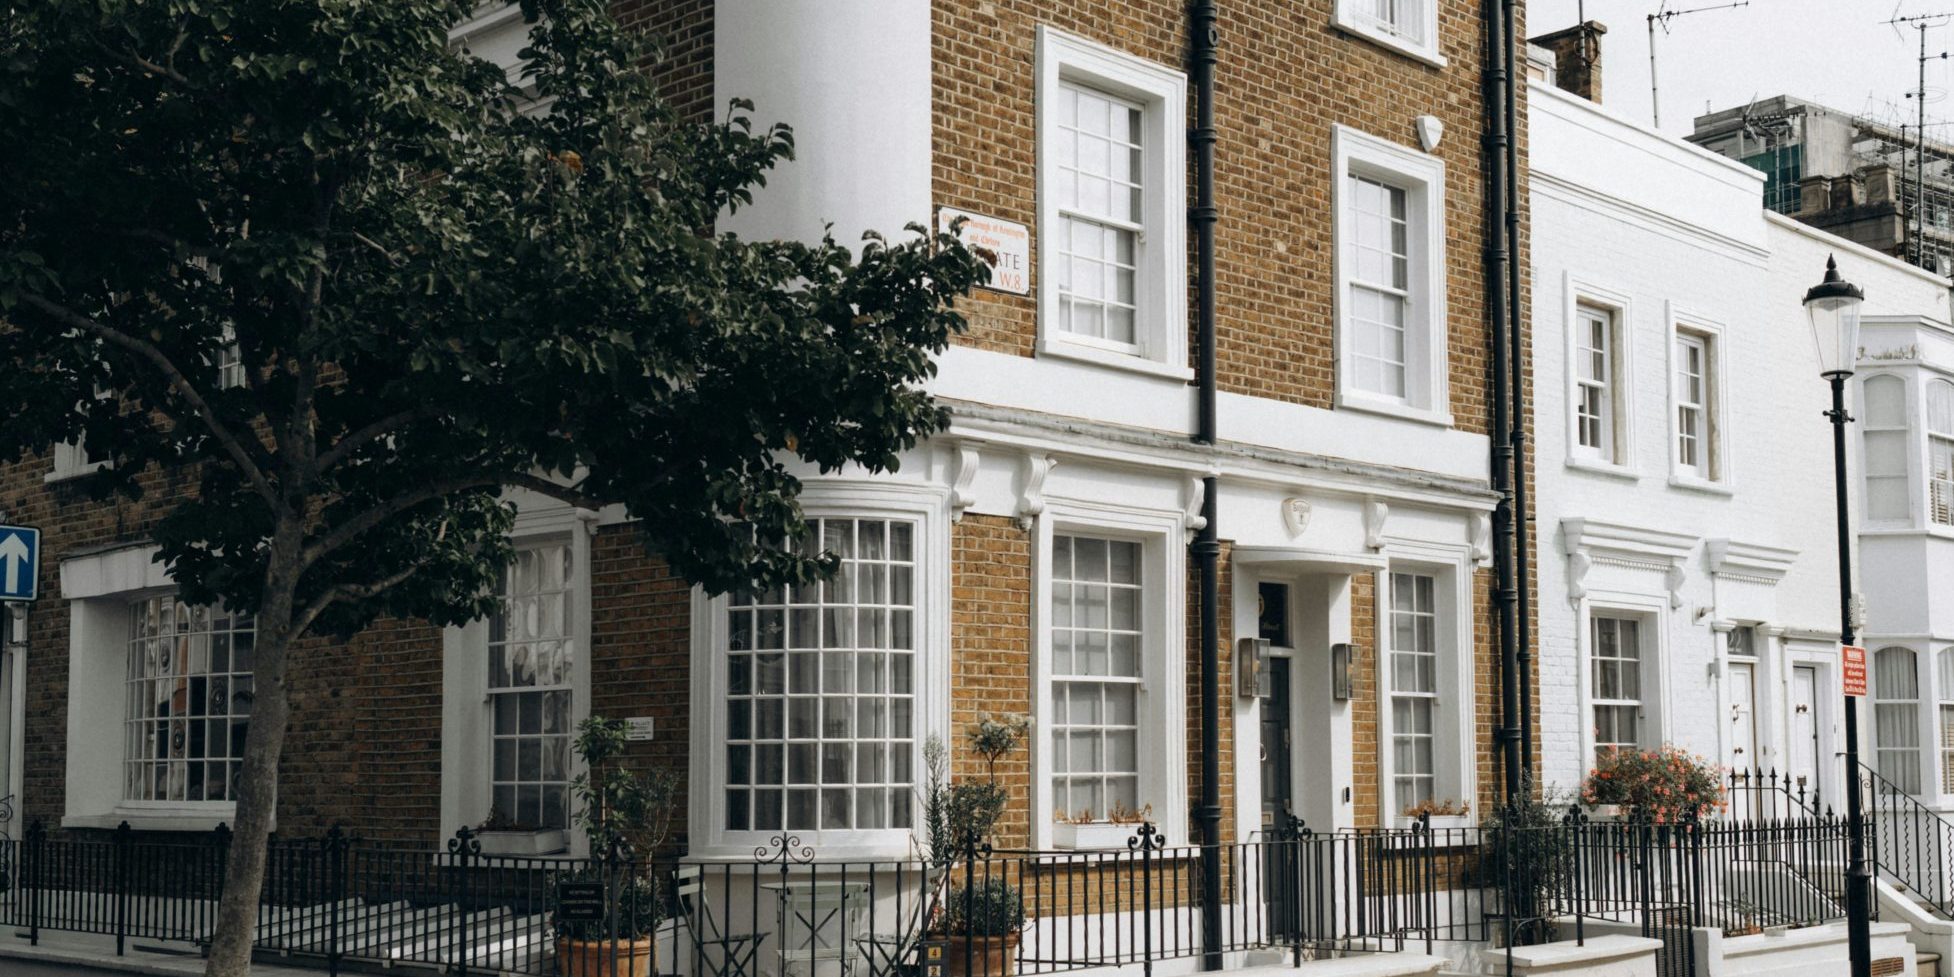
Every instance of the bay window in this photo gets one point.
(1940, 452)
(820, 728)
(1896, 716)
(1944, 672)
(1884, 429)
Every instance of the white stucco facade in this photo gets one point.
(1699, 506)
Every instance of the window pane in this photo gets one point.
(532, 650)
(1095, 731)
(1097, 182)
(840, 718)
(188, 701)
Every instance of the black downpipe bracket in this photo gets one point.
(1516, 345)
(1207, 545)
(1498, 146)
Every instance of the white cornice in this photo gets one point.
(1622, 541)
(1748, 561)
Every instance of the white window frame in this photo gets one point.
(1651, 614)
(1922, 745)
(101, 589)
(1582, 296)
(1868, 426)
(1422, 177)
(1160, 279)
(1162, 708)
(839, 498)
(1940, 435)
(1713, 473)
(1454, 738)
(1943, 725)
(575, 594)
(71, 459)
(467, 722)
(1354, 17)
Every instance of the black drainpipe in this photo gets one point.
(1499, 264)
(1522, 560)
(1207, 545)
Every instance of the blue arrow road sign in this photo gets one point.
(20, 563)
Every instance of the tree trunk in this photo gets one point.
(264, 741)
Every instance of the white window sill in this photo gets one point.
(1061, 348)
(1450, 822)
(1428, 54)
(899, 847)
(1599, 467)
(70, 474)
(1697, 484)
(1392, 408)
(156, 819)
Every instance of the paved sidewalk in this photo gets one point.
(64, 954)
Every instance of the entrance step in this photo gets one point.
(1926, 964)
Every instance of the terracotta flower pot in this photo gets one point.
(989, 956)
(604, 958)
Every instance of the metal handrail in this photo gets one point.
(1908, 841)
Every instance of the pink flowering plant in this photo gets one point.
(1664, 785)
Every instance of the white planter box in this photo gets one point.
(546, 842)
(1092, 835)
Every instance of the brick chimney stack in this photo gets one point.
(1577, 58)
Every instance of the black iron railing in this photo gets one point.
(1910, 844)
(1293, 895)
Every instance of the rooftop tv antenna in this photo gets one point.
(1663, 16)
(1917, 233)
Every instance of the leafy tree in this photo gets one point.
(438, 284)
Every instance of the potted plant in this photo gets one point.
(1080, 831)
(1447, 813)
(500, 834)
(1526, 853)
(626, 817)
(978, 924)
(1661, 786)
(984, 921)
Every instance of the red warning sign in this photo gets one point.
(1852, 671)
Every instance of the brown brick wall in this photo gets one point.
(1226, 656)
(1285, 77)
(990, 650)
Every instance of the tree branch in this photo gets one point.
(226, 438)
(346, 591)
(372, 518)
(358, 439)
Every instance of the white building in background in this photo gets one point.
(1687, 573)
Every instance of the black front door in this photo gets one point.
(1280, 861)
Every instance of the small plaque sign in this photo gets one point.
(580, 902)
(1007, 245)
(1852, 670)
(638, 729)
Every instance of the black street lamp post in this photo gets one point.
(1833, 307)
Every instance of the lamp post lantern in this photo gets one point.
(1833, 308)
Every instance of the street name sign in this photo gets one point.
(20, 563)
(1852, 670)
(1006, 245)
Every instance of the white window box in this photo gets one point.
(1092, 835)
(547, 841)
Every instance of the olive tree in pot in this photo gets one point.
(626, 816)
(978, 916)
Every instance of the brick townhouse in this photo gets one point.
(1035, 558)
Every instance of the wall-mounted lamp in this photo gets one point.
(1252, 667)
(1340, 655)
